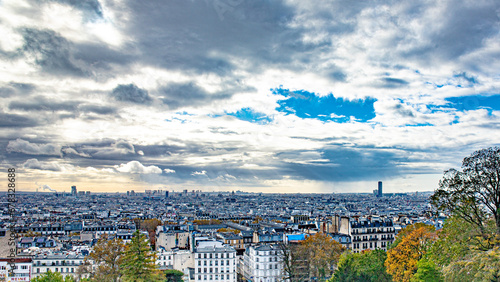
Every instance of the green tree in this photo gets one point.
(477, 266)
(473, 193)
(365, 266)
(173, 275)
(138, 262)
(50, 276)
(427, 271)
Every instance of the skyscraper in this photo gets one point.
(379, 189)
(73, 191)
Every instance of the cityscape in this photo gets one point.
(249, 141)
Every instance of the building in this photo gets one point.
(66, 264)
(214, 261)
(371, 233)
(379, 189)
(263, 263)
(22, 269)
(73, 191)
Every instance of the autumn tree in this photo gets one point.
(365, 266)
(473, 193)
(107, 256)
(138, 262)
(411, 245)
(322, 253)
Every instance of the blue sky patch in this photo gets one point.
(305, 104)
(248, 114)
(474, 102)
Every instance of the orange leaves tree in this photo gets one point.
(410, 246)
(322, 254)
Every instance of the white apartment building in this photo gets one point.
(22, 270)
(371, 233)
(214, 261)
(263, 263)
(66, 264)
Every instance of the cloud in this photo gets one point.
(136, 167)
(203, 172)
(50, 51)
(25, 147)
(51, 166)
(16, 121)
(92, 8)
(177, 95)
(41, 104)
(71, 151)
(131, 93)
(167, 170)
(97, 109)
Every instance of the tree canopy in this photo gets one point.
(473, 193)
(138, 263)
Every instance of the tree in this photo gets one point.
(294, 263)
(107, 256)
(478, 266)
(413, 243)
(50, 276)
(138, 262)
(173, 275)
(365, 266)
(427, 271)
(322, 254)
(473, 194)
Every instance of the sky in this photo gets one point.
(251, 95)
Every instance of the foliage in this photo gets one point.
(427, 271)
(365, 266)
(413, 242)
(478, 266)
(294, 265)
(173, 275)
(322, 254)
(207, 222)
(138, 262)
(50, 276)
(223, 230)
(455, 241)
(473, 194)
(107, 256)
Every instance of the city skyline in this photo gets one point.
(257, 96)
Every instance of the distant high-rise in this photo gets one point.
(166, 194)
(379, 189)
(73, 191)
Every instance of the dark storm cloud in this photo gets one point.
(191, 35)
(188, 94)
(13, 120)
(131, 93)
(50, 51)
(97, 109)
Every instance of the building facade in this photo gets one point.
(263, 263)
